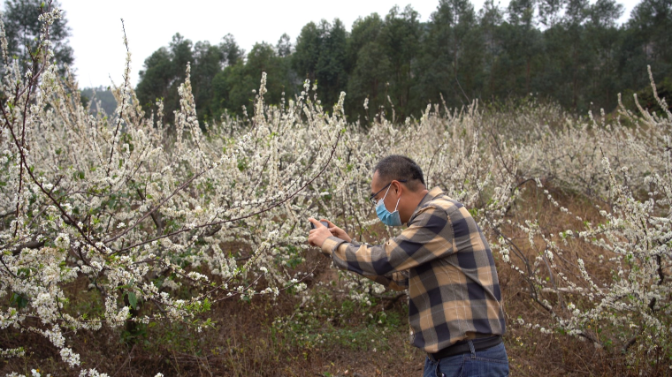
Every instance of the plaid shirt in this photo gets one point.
(446, 263)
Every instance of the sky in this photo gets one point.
(97, 37)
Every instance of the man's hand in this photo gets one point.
(338, 232)
(317, 236)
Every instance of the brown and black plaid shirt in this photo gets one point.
(446, 263)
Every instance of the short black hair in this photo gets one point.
(397, 167)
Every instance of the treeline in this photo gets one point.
(92, 97)
(569, 51)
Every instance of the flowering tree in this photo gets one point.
(625, 171)
(138, 212)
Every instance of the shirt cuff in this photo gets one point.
(330, 244)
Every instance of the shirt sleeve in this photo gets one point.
(428, 237)
(397, 281)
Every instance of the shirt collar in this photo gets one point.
(433, 193)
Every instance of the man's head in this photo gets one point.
(401, 179)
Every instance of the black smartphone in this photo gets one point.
(312, 226)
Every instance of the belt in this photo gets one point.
(462, 346)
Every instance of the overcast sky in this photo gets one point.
(97, 35)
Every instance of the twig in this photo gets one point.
(7, 214)
(629, 344)
(123, 102)
(215, 223)
(28, 245)
(126, 361)
(24, 162)
(156, 217)
(150, 212)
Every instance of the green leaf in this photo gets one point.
(133, 300)
(19, 300)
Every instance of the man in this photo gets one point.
(455, 309)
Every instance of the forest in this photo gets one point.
(570, 52)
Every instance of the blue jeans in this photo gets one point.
(491, 362)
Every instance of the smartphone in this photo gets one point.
(312, 226)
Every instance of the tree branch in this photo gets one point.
(221, 222)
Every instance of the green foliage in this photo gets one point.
(452, 55)
(165, 69)
(382, 54)
(320, 57)
(18, 301)
(234, 88)
(571, 52)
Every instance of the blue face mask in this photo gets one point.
(388, 218)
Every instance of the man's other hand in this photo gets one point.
(317, 236)
(337, 232)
